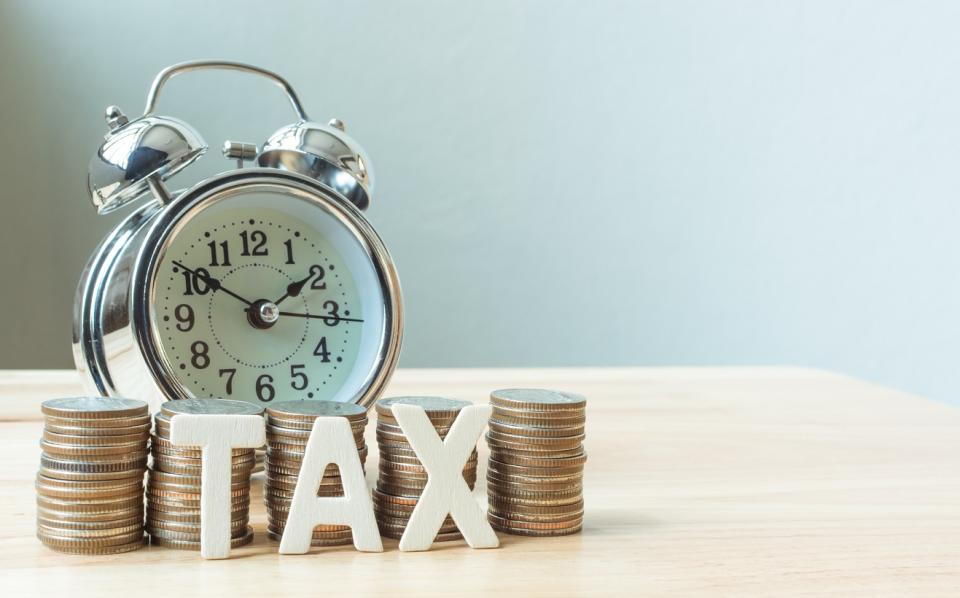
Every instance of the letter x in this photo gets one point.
(446, 490)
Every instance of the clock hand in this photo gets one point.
(294, 288)
(319, 317)
(212, 282)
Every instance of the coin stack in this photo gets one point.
(402, 477)
(288, 428)
(90, 484)
(173, 486)
(535, 473)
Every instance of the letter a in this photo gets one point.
(216, 435)
(331, 441)
(446, 490)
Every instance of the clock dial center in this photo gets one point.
(263, 314)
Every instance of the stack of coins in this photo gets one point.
(90, 484)
(173, 486)
(288, 428)
(535, 474)
(402, 477)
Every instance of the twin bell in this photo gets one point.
(138, 155)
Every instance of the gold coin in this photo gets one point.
(85, 431)
(96, 549)
(315, 542)
(87, 516)
(512, 524)
(85, 408)
(58, 540)
(91, 440)
(300, 437)
(537, 518)
(195, 545)
(81, 476)
(96, 426)
(546, 481)
(533, 495)
(61, 532)
(189, 517)
(174, 500)
(192, 535)
(320, 531)
(179, 479)
(44, 519)
(94, 464)
(540, 432)
(559, 442)
(97, 505)
(537, 418)
(507, 505)
(80, 489)
(537, 532)
(535, 471)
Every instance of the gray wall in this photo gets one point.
(560, 182)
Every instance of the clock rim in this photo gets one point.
(147, 263)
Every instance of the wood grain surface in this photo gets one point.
(700, 481)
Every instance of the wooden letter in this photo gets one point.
(216, 435)
(331, 441)
(446, 490)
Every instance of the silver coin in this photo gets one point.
(316, 409)
(210, 407)
(93, 407)
(429, 404)
(538, 396)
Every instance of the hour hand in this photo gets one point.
(211, 282)
(294, 288)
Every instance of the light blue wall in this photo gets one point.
(560, 182)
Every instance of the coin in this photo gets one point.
(209, 407)
(60, 524)
(93, 440)
(100, 432)
(195, 545)
(300, 410)
(519, 531)
(535, 469)
(93, 548)
(436, 408)
(90, 483)
(93, 408)
(537, 399)
(121, 538)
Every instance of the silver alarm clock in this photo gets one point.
(263, 283)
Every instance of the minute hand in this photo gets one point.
(319, 316)
(212, 282)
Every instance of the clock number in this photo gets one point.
(214, 254)
(184, 315)
(321, 350)
(289, 244)
(196, 282)
(265, 389)
(296, 374)
(230, 372)
(317, 270)
(333, 315)
(200, 359)
(258, 238)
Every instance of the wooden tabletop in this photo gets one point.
(713, 481)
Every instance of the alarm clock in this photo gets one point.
(263, 283)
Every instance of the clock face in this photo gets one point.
(264, 296)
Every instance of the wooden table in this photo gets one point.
(733, 481)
